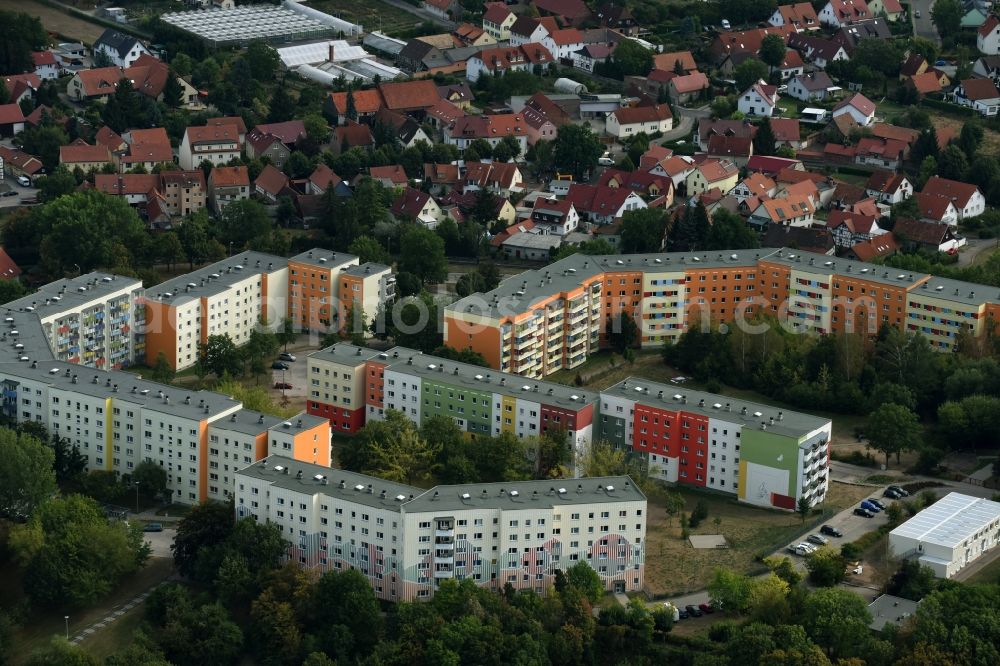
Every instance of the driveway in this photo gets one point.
(160, 542)
(975, 246)
(923, 26)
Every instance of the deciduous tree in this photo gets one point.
(26, 475)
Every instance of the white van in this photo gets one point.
(24, 181)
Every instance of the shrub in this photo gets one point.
(850, 551)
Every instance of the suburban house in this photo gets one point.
(979, 94)
(11, 120)
(736, 148)
(876, 248)
(261, 144)
(745, 41)
(555, 216)
(883, 153)
(838, 13)
(19, 163)
(500, 60)
(890, 9)
(933, 208)
(413, 204)
(46, 67)
(448, 10)
(146, 148)
(21, 87)
(218, 145)
(618, 17)
(684, 88)
(811, 87)
(677, 168)
(591, 55)
(925, 83)
(121, 50)
(323, 179)
(497, 21)
(85, 157)
(352, 135)
(492, 129)
(969, 201)
(500, 178)
(628, 122)
(366, 104)
(721, 174)
(914, 64)
(656, 189)
(851, 35)
(973, 18)
(758, 100)
(227, 184)
(986, 67)
(888, 187)
(707, 128)
(389, 176)
(801, 16)
(527, 30)
(755, 185)
(817, 50)
(792, 65)
(792, 211)
(570, 12)
(602, 204)
(679, 62)
(988, 36)
(787, 133)
(850, 228)
(563, 43)
(530, 245)
(183, 192)
(270, 183)
(858, 107)
(918, 234)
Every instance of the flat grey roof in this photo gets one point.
(474, 377)
(343, 352)
(367, 268)
(378, 493)
(957, 291)
(72, 293)
(533, 241)
(721, 407)
(950, 521)
(246, 23)
(887, 609)
(216, 278)
(323, 258)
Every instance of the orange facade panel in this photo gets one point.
(161, 333)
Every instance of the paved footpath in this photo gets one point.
(115, 614)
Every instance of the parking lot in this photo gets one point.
(21, 193)
(295, 375)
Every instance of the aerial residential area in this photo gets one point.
(530, 332)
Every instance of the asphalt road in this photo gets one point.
(10, 184)
(923, 26)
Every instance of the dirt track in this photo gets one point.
(56, 21)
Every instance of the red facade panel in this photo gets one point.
(374, 383)
(694, 448)
(655, 431)
(345, 421)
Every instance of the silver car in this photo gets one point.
(819, 540)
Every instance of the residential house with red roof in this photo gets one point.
(849, 228)
(674, 61)
(500, 178)
(618, 17)
(459, 94)
(366, 104)
(928, 235)
(414, 204)
(218, 145)
(745, 41)
(988, 36)
(528, 30)
(882, 153)
(497, 21)
(46, 67)
(838, 13)
(707, 128)
(569, 12)
(936, 209)
(411, 97)
(892, 10)
(711, 173)
(758, 100)
(653, 155)
(492, 129)
(9, 270)
(735, 148)
(788, 133)
(146, 149)
(592, 55)
(444, 113)
(261, 144)
(629, 122)
(19, 163)
(323, 178)
(969, 201)
(235, 121)
(858, 107)
(601, 204)
(472, 35)
(21, 87)
(270, 183)
(389, 176)
(772, 165)
(888, 187)
(791, 66)
(676, 167)
(228, 184)
(876, 248)
(110, 138)
(563, 43)
(540, 128)
(502, 59)
(817, 50)
(925, 83)
(446, 10)
(85, 157)
(159, 197)
(792, 211)
(754, 185)
(684, 88)
(979, 94)
(351, 135)
(442, 177)
(555, 216)
(800, 15)
(11, 120)
(657, 190)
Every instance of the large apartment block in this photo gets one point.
(406, 540)
(96, 320)
(765, 456)
(352, 385)
(119, 420)
(553, 318)
(325, 285)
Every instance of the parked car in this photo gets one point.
(24, 181)
(682, 614)
(694, 611)
(831, 531)
(871, 507)
(818, 540)
(891, 494)
(278, 365)
(285, 356)
(877, 503)
(675, 612)
(153, 527)
(864, 513)
(706, 608)
(9, 193)
(282, 385)
(605, 161)
(899, 490)
(726, 25)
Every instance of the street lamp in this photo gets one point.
(137, 497)
(66, 618)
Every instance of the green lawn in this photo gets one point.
(115, 636)
(988, 574)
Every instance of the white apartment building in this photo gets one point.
(949, 534)
(406, 540)
(96, 320)
(118, 420)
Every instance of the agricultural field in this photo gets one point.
(56, 21)
(372, 14)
